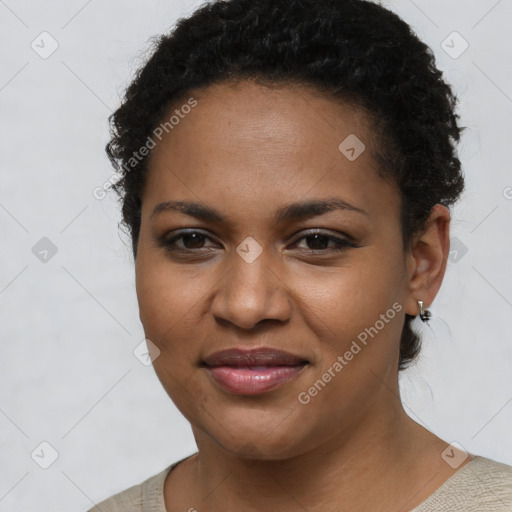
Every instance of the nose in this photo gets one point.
(250, 293)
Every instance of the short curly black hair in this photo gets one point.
(354, 50)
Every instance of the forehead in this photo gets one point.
(249, 142)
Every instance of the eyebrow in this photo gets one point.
(291, 212)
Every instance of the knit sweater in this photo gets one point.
(481, 485)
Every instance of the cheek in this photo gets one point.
(169, 301)
(337, 303)
(357, 313)
(352, 297)
(169, 305)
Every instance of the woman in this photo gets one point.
(286, 170)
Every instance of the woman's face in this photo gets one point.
(267, 268)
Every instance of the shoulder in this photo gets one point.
(481, 485)
(146, 496)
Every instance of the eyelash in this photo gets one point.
(342, 244)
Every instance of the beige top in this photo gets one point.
(482, 485)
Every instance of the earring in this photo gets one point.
(425, 314)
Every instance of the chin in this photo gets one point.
(261, 449)
(280, 439)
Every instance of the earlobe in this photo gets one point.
(428, 257)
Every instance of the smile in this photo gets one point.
(253, 372)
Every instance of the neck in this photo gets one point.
(378, 463)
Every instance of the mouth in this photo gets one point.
(252, 372)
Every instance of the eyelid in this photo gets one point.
(323, 232)
(167, 239)
(340, 240)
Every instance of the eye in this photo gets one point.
(190, 241)
(319, 241)
(316, 242)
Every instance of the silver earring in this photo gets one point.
(425, 314)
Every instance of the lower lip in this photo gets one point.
(253, 381)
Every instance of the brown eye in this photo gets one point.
(193, 240)
(319, 242)
(185, 241)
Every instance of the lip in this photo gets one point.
(252, 372)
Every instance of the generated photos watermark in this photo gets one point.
(341, 361)
(174, 120)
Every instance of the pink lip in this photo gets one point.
(251, 372)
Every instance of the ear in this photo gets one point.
(427, 259)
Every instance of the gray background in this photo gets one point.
(69, 324)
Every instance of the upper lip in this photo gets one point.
(254, 357)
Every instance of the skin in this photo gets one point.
(246, 150)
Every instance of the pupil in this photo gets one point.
(197, 240)
(317, 238)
